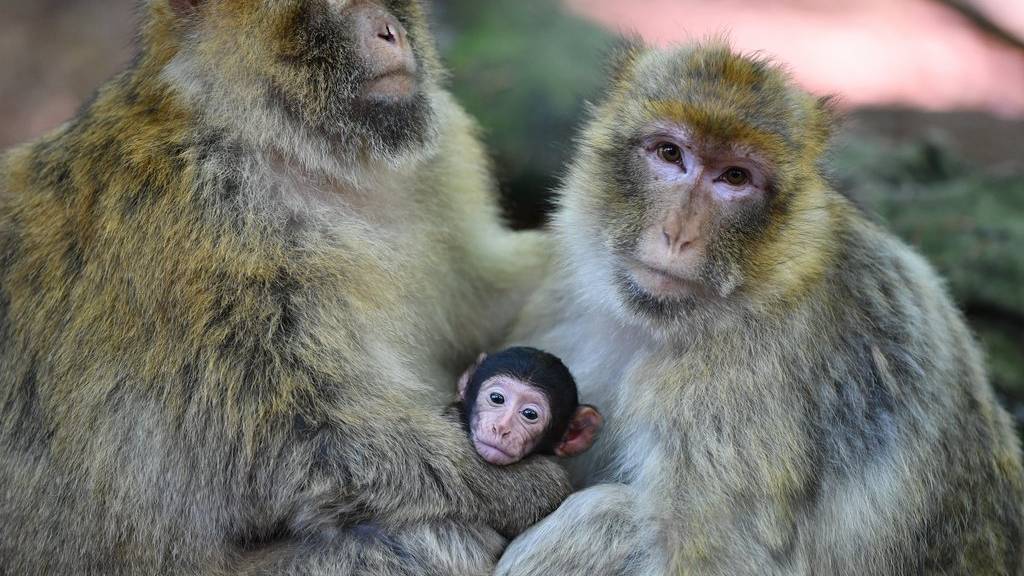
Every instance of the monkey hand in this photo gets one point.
(530, 489)
(433, 473)
(595, 531)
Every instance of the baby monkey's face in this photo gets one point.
(509, 419)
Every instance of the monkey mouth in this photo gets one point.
(493, 454)
(397, 83)
(660, 283)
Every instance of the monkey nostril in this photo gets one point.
(668, 239)
(388, 34)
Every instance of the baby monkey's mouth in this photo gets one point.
(493, 453)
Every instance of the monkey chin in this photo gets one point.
(493, 454)
(395, 129)
(663, 305)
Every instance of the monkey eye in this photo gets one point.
(530, 414)
(735, 176)
(497, 398)
(670, 153)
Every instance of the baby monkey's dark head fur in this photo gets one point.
(352, 79)
(543, 371)
(697, 186)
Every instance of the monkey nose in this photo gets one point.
(386, 51)
(384, 34)
(676, 238)
(387, 33)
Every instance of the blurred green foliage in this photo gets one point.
(970, 223)
(524, 69)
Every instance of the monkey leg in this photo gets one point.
(595, 531)
(435, 549)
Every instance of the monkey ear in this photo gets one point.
(582, 431)
(464, 379)
(827, 117)
(622, 56)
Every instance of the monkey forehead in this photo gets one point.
(708, 146)
(718, 95)
(526, 391)
(402, 9)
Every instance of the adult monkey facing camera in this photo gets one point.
(808, 399)
(209, 283)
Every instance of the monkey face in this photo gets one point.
(695, 198)
(357, 75)
(509, 419)
(687, 179)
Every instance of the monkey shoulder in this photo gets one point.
(891, 296)
(887, 355)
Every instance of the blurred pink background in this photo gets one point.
(912, 53)
(918, 53)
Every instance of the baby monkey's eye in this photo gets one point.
(670, 153)
(497, 398)
(530, 414)
(735, 176)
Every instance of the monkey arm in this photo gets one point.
(437, 548)
(599, 530)
(431, 473)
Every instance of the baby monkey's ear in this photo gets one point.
(581, 433)
(464, 379)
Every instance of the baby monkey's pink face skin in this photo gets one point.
(509, 421)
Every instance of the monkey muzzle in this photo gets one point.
(386, 52)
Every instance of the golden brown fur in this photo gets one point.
(819, 408)
(229, 300)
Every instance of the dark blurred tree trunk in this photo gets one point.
(982, 21)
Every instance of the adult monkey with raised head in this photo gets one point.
(788, 388)
(223, 288)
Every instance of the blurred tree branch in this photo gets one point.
(981, 20)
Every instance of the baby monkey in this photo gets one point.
(520, 401)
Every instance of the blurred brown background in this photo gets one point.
(935, 89)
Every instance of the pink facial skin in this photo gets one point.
(509, 420)
(693, 185)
